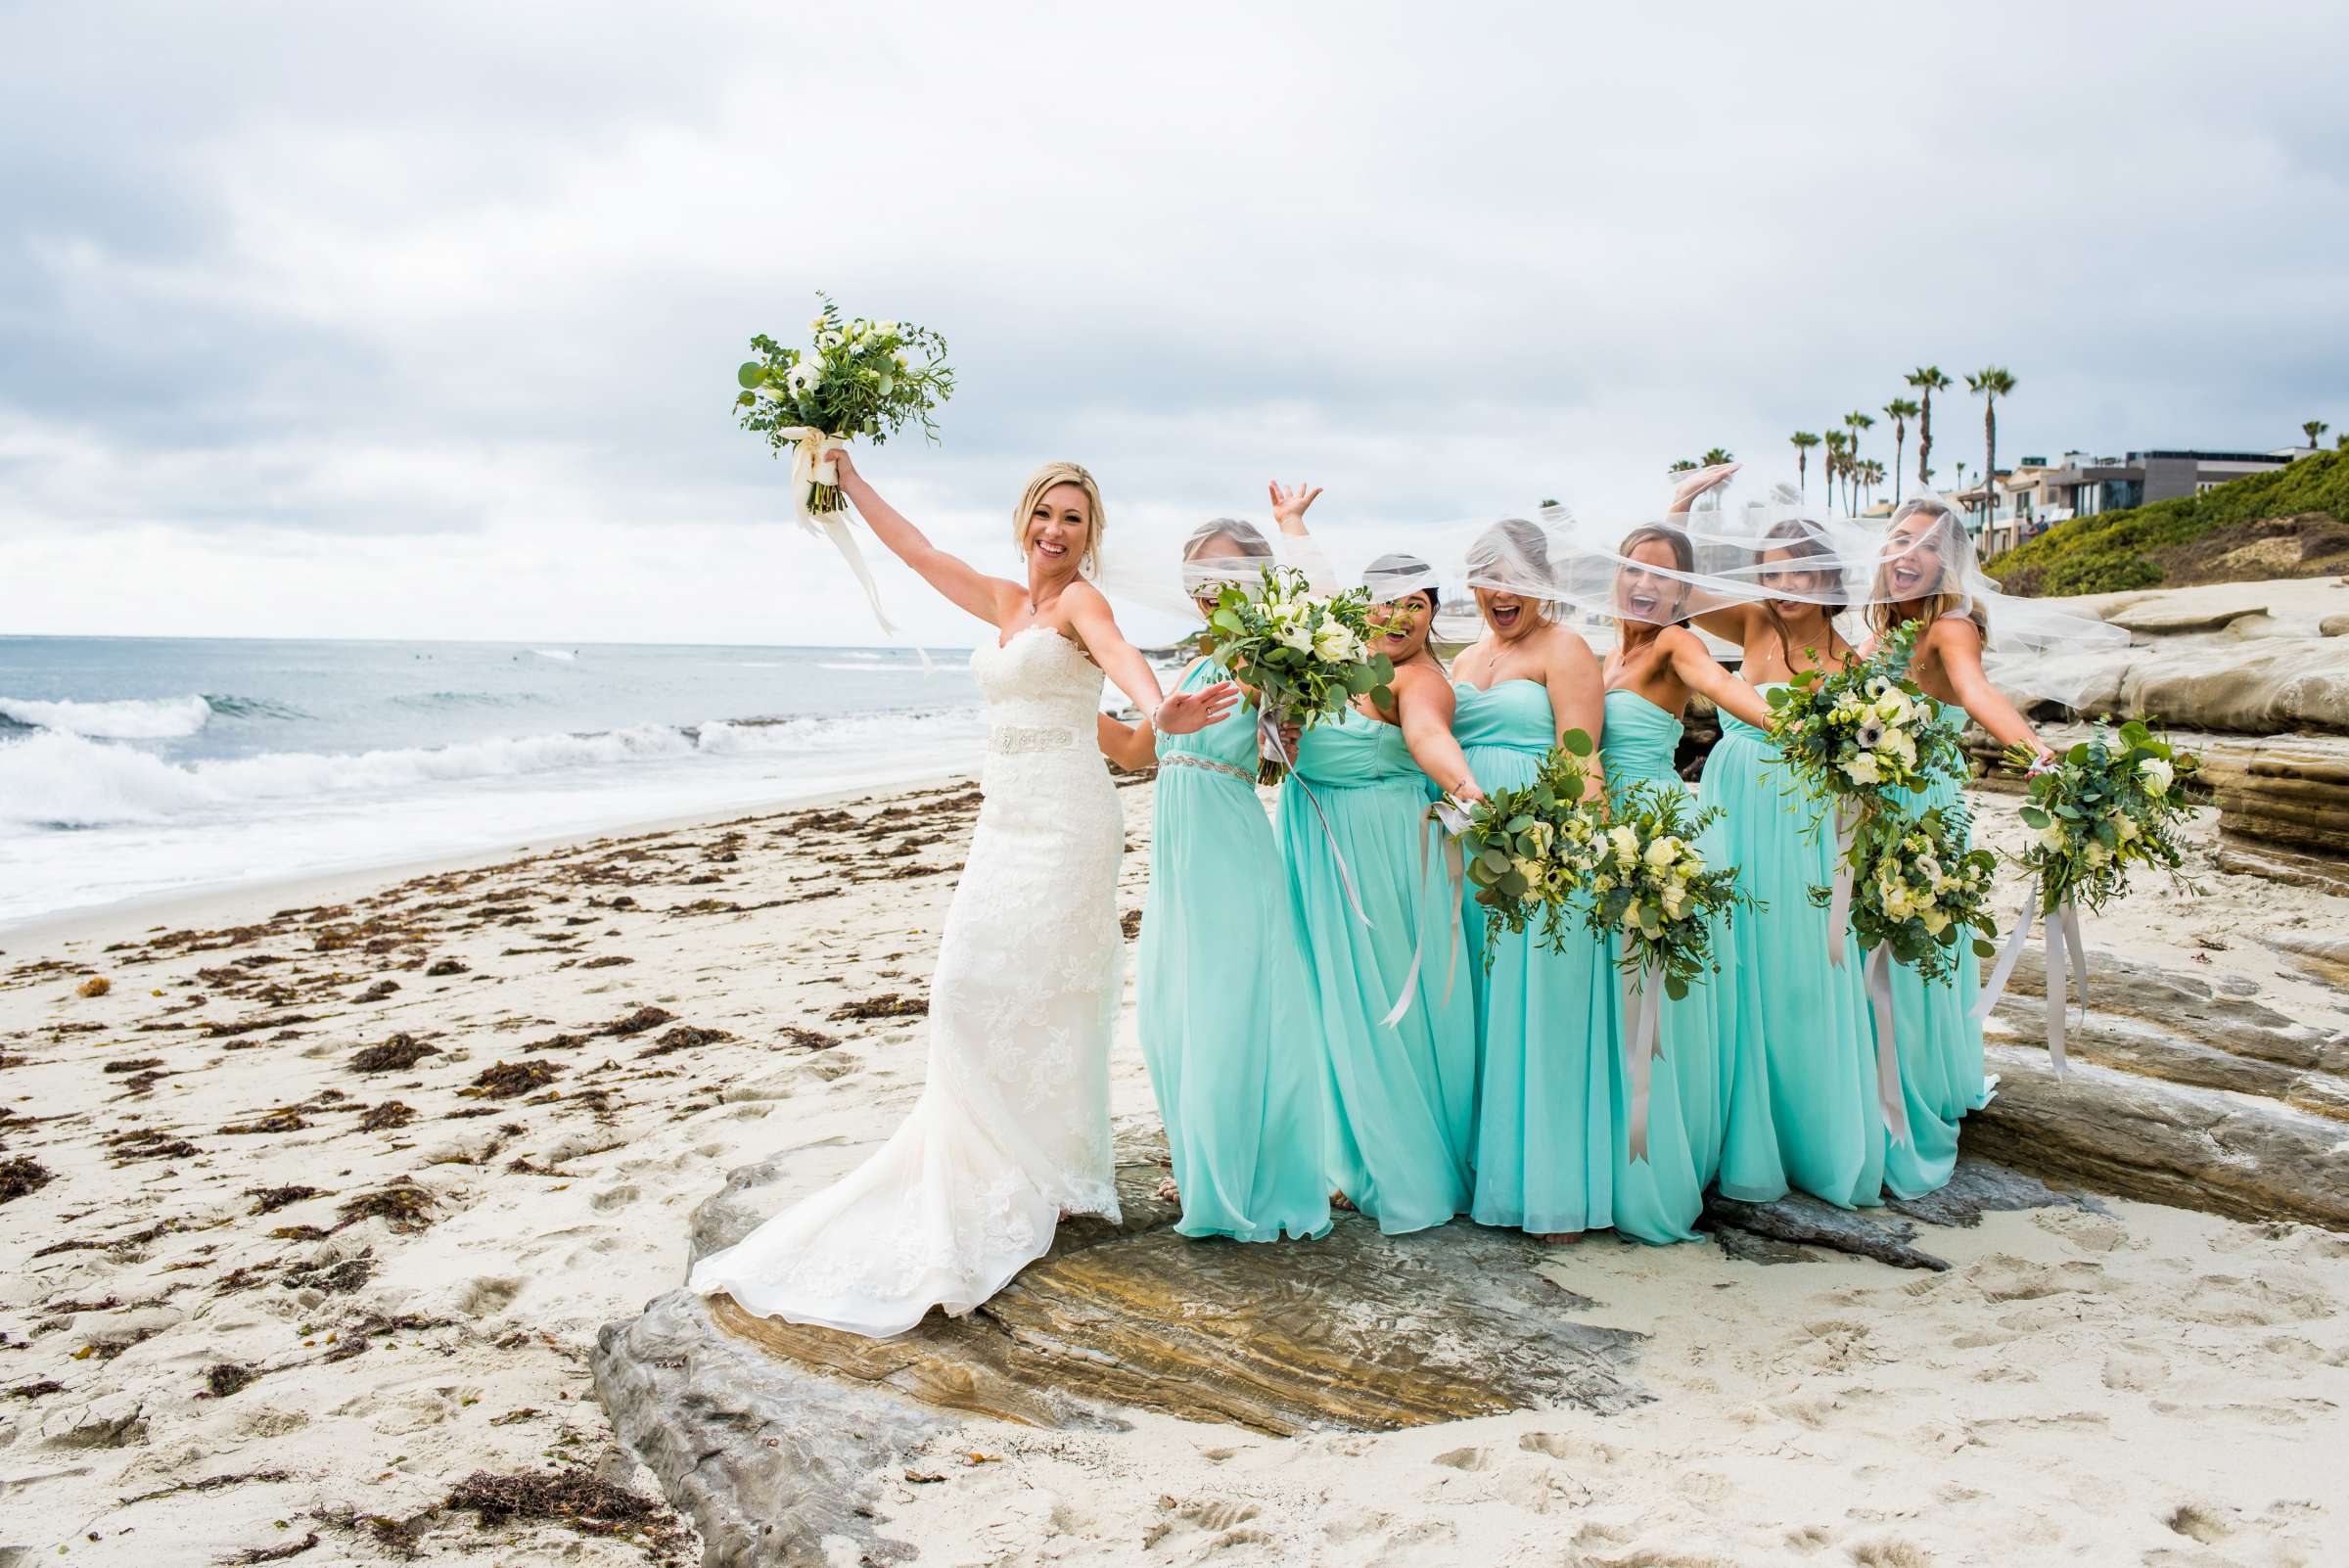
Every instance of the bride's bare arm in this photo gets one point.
(964, 583)
(1122, 663)
(1704, 675)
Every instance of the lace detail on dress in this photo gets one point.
(1012, 1127)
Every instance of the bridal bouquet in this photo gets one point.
(857, 378)
(1306, 654)
(2111, 802)
(1919, 889)
(1847, 735)
(1528, 851)
(1651, 888)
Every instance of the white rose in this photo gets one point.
(887, 329)
(1935, 921)
(1861, 770)
(2098, 854)
(1930, 870)
(1627, 845)
(1901, 746)
(1663, 851)
(1673, 902)
(1333, 642)
(2125, 826)
(2156, 772)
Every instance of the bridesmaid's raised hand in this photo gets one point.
(1289, 503)
(1189, 712)
(1695, 485)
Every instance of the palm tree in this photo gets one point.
(1718, 455)
(1901, 410)
(1683, 466)
(1928, 380)
(1872, 473)
(1803, 441)
(1838, 444)
(1989, 384)
(2312, 430)
(1859, 422)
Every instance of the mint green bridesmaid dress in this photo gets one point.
(1638, 748)
(1937, 1037)
(1802, 1086)
(1401, 1099)
(1226, 1016)
(1552, 1149)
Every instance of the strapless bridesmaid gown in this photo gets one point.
(1401, 1099)
(1225, 1010)
(1802, 1107)
(1696, 1030)
(1552, 1151)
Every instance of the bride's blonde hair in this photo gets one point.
(1042, 480)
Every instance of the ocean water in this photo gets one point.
(134, 769)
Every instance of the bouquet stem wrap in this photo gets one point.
(1453, 821)
(1839, 904)
(1642, 1035)
(1889, 1100)
(812, 472)
(2066, 958)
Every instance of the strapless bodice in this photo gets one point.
(1515, 714)
(1640, 741)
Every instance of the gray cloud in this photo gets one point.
(467, 272)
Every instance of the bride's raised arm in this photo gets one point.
(1122, 663)
(964, 583)
(1299, 548)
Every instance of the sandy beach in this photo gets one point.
(311, 1215)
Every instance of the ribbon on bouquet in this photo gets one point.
(1643, 1007)
(1839, 905)
(1453, 822)
(1268, 735)
(2066, 958)
(1889, 1099)
(811, 465)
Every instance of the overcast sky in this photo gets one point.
(420, 320)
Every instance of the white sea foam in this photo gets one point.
(133, 719)
(53, 779)
(565, 655)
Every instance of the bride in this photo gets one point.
(1011, 1132)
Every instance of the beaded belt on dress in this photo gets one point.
(1011, 739)
(1188, 759)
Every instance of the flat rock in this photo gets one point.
(2159, 620)
(779, 1440)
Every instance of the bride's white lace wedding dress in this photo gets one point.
(1012, 1129)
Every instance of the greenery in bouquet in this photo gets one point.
(2112, 802)
(1304, 655)
(1651, 888)
(1850, 735)
(857, 378)
(1918, 888)
(1527, 850)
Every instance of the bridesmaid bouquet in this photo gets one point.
(1848, 734)
(1919, 889)
(857, 378)
(2101, 809)
(1650, 887)
(2104, 807)
(1306, 654)
(1528, 851)
(1652, 890)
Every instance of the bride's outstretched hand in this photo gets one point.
(1290, 501)
(1189, 711)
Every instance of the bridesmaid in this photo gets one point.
(1229, 1046)
(1552, 1150)
(1656, 665)
(1923, 578)
(1403, 1097)
(1803, 1107)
